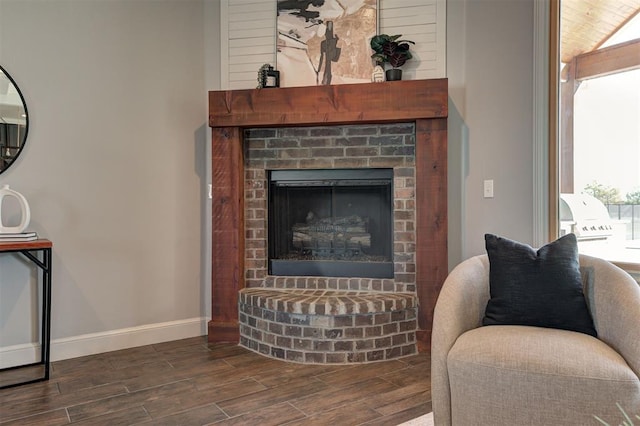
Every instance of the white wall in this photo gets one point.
(114, 168)
(490, 63)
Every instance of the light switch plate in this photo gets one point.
(488, 188)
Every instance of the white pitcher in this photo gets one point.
(24, 207)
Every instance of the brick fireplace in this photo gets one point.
(400, 126)
(335, 155)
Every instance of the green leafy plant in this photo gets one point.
(606, 194)
(388, 49)
(633, 197)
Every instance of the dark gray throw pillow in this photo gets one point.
(539, 288)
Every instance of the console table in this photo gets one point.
(39, 253)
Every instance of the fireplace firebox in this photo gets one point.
(334, 222)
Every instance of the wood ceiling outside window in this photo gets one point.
(585, 25)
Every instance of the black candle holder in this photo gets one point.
(268, 77)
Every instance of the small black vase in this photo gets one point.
(394, 74)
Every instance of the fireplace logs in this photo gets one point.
(332, 237)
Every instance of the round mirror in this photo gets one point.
(14, 121)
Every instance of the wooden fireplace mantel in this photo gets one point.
(398, 101)
(421, 101)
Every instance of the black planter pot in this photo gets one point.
(394, 74)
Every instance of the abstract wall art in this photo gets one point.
(323, 42)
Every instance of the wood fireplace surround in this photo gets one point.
(230, 112)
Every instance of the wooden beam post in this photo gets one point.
(431, 212)
(227, 214)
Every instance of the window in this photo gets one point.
(594, 121)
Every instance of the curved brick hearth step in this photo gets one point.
(328, 326)
(327, 302)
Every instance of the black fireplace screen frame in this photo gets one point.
(355, 202)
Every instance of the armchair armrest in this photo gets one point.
(460, 308)
(614, 301)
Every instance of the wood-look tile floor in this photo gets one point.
(191, 382)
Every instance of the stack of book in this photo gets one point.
(18, 237)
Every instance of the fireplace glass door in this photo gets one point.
(336, 223)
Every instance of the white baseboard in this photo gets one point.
(113, 340)
(11, 356)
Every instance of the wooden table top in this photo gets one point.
(25, 245)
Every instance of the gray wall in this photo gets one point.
(489, 66)
(115, 165)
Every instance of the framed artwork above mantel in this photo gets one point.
(322, 42)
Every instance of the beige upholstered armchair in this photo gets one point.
(521, 375)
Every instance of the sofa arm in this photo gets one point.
(614, 301)
(460, 308)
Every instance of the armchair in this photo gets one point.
(520, 375)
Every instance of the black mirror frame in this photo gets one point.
(26, 113)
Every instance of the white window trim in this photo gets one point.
(540, 122)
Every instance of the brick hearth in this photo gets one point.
(328, 326)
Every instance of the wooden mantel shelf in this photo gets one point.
(322, 105)
(423, 102)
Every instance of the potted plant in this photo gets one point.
(389, 49)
